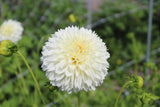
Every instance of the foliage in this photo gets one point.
(125, 38)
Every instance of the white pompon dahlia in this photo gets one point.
(75, 59)
(11, 30)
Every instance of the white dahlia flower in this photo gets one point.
(11, 30)
(75, 59)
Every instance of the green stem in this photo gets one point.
(121, 92)
(36, 98)
(39, 45)
(136, 68)
(156, 75)
(0, 71)
(19, 83)
(79, 100)
(53, 95)
(23, 82)
(36, 92)
(34, 78)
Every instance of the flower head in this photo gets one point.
(75, 59)
(11, 30)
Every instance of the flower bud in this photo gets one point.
(72, 18)
(138, 81)
(50, 87)
(7, 48)
(147, 98)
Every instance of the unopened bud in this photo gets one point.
(7, 48)
(72, 18)
(138, 81)
(147, 98)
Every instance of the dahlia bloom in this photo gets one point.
(11, 30)
(75, 59)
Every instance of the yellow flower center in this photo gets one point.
(6, 30)
(78, 52)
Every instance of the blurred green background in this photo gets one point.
(124, 31)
